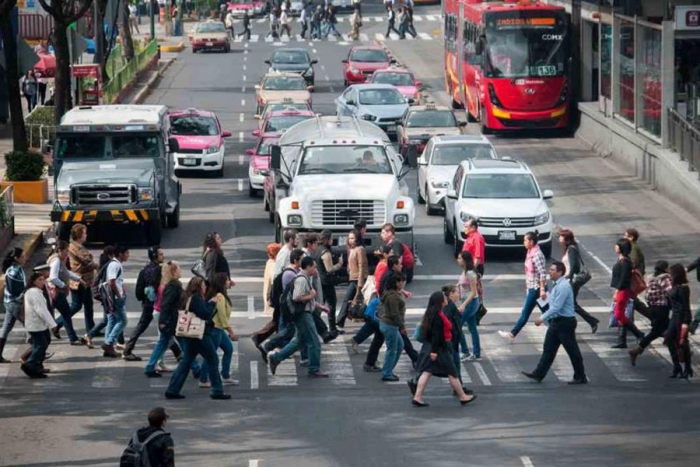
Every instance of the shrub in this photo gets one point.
(40, 126)
(24, 166)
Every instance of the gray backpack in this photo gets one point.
(136, 453)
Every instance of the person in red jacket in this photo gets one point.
(475, 244)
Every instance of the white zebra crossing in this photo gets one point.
(343, 40)
(561, 367)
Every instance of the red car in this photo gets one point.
(259, 165)
(280, 121)
(362, 62)
(403, 80)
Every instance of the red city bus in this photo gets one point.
(507, 63)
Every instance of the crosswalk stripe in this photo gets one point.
(284, 38)
(417, 18)
(254, 38)
(482, 374)
(500, 354)
(466, 377)
(238, 39)
(108, 374)
(332, 38)
(254, 380)
(347, 38)
(617, 362)
(364, 37)
(430, 17)
(269, 39)
(380, 37)
(336, 361)
(340, 19)
(425, 36)
(377, 19)
(285, 374)
(561, 366)
(262, 20)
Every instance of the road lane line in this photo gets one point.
(241, 117)
(254, 377)
(240, 184)
(245, 67)
(241, 136)
(245, 59)
(245, 51)
(323, 67)
(315, 51)
(482, 374)
(243, 89)
(242, 102)
(425, 36)
(327, 78)
(244, 78)
(251, 307)
(526, 461)
(241, 159)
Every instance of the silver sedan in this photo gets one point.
(381, 104)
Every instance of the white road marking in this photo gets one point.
(269, 39)
(241, 159)
(340, 19)
(526, 461)
(240, 184)
(430, 17)
(284, 38)
(245, 67)
(253, 38)
(254, 377)
(380, 37)
(285, 374)
(261, 20)
(482, 374)
(332, 89)
(466, 377)
(239, 39)
(241, 136)
(347, 38)
(253, 463)
(323, 67)
(242, 102)
(417, 18)
(245, 51)
(251, 307)
(378, 19)
(244, 78)
(343, 43)
(336, 360)
(332, 38)
(499, 352)
(245, 59)
(314, 50)
(618, 362)
(364, 37)
(327, 78)
(241, 117)
(425, 36)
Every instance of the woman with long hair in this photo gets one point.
(621, 281)
(214, 259)
(38, 322)
(677, 335)
(468, 305)
(59, 278)
(392, 314)
(222, 333)
(437, 354)
(106, 257)
(357, 272)
(191, 347)
(15, 284)
(573, 262)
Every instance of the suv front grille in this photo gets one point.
(103, 195)
(506, 222)
(345, 212)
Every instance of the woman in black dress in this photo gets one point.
(437, 355)
(677, 335)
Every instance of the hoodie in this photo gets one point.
(161, 450)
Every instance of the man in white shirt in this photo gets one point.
(116, 321)
(284, 23)
(291, 241)
(133, 24)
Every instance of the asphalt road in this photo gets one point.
(86, 411)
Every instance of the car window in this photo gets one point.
(381, 97)
(194, 126)
(396, 79)
(500, 186)
(284, 83)
(211, 27)
(290, 57)
(369, 55)
(454, 154)
(344, 159)
(80, 146)
(264, 147)
(457, 180)
(135, 145)
(283, 123)
(431, 119)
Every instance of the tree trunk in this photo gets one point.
(19, 132)
(62, 86)
(127, 41)
(99, 34)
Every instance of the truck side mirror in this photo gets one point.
(412, 156)
(173, 145)
(275, 157)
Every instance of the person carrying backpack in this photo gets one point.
(146, 292)
(388, 236)
(150, 446)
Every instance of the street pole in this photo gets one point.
(153, 19)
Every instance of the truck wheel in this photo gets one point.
(63, 230)
(446, 237)
(174, 218)
(421, 199)
(153, 232)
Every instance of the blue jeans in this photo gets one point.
(116, 322)
(394, 345)
(13, 313)
(190, 349)
(304, 335)
(469, 318)
(82, 298)
(221, 341)
(366, 331)
(280, 339)
(163, 343)
(529, 305)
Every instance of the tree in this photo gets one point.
(125, 30)
(64, 13)
(9, 39)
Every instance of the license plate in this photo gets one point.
(506, 235)
(342, 241)
(209, 44)
(189, 161)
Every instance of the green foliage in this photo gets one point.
(40, 125)
(24, 166)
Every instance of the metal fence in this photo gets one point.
(684, 139)
(38, 133)
(128, 72)
(7, 208)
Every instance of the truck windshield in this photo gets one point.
(91, 146)
(135, 145)
(344, 159)
(80, 146)
(522, 45)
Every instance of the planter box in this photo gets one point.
(29, 192)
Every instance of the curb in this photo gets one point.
(173, 48)
(142, 94)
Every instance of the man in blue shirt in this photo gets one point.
(561, 319)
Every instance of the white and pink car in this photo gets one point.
(403, 80)
(253, 7)
(201, 141)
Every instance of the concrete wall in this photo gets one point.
(662, 169)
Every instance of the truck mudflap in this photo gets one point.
(89, 216)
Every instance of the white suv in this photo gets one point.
(505, 198)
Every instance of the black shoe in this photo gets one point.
(573, 382)
(170, 395)
(56, 334)
(153, 374)
(220, 397)
(371, 369)
(129, 357)
(99, 334)
(77, 343)
(677, 371)
(2, 360)
(392, 378)
(419, 404)
(619, 346)
(319, 374)
(263, 353)
(688, 372)
(532, 376)
(469, 401)
(594, 328)
(467, 391)
(273, 365)
(412, 386)
(329, 337)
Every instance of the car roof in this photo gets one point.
(495, 166)
(368, 47)
(290, 49)
(460, 139)
(281, 73)
(394, 70)
(364, 87)
(290, 113)
(191, 111)
(431, 107)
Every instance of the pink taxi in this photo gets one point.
(403, 80)
(200, 139)
(259, 166)
(253, 7)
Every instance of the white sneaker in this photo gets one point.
(506, 334)
(304, 363)
(230, 382)
(163, 368)
(472, 358)
(205, 385)
(465, 357)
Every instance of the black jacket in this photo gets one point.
(455, 318)
(680, 303)
(161, 450)
(621, 275)
(575, 263)
(435, 335)
(214, 263)
(169, 306)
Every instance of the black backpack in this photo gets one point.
(277, 289)
(293, 308)
(136, 453)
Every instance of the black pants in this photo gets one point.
(641, 308)
(144, 322)
(561, 331)
(61, 304)
(304, 28)
(349, 295)
(679, 354)
(587, 317)
(82, 298)
(659, 325)
(378, 341)
(40, 342)
(246, 32)
(321, 327)
(331, 299)
(390, 27)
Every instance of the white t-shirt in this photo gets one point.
(132, 10)
(115, 272)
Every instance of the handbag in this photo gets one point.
(637, 283)
(629, 314)
(480, 313)
(371, 309)
(417, 334)
(582, 277)
(199, 269)
(357, 310)
(189, 324)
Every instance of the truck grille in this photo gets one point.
(506, 222)
(345, 212)
(102, 195)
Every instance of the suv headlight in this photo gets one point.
(255, 171)
(309, 71)
(369, 117)
(542, 218)
(212, 150)
(401, 220)
(465, 216)
(294, 220)
(437, 184)
(145, 194)
(63, 196)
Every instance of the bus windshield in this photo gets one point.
(520, 45)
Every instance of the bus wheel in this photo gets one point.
(456, 105)
(484, 129)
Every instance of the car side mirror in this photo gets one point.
(422, 161)
(250, 152)
(268, 62)
(257, 87)
(463, 123)
(392, 61)
(173, 145)
(344, 61)
(314, 62)
(256, 132)
(275, 157)
(226, 134)
(451, 194)
(350, 102)
(419, 84)
(411, 100)
(548, 194)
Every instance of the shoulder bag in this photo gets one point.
(582, 277)
(637, 283)
(199, 269)
(189, 324)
